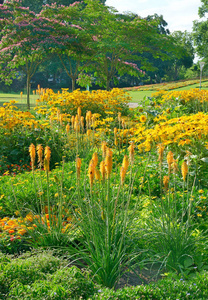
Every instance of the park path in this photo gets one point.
(133, 105)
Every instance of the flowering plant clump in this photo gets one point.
(95, 101)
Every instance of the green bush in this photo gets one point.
(166, 289)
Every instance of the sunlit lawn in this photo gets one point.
(139, 95)
(135, 95)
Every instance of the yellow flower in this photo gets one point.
(143, 118)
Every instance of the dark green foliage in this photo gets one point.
(41, 276)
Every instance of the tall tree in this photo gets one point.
(27, 40)
(200, 31)
(37, 5)
(120, 42)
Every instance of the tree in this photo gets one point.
(27, 40)
(200, 31)
(38, 5)
(120, 43)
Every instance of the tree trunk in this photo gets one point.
(28, 92)
(73, 83)
(108, 84)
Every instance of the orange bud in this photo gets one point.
(67, 128)
(32, 154)
(97, 174)
(108, 165)
(160, 150)
(102, 169)
(104, 148)
(78, 166)
(125, 163)
(91, 172)
(170, 160)
(184, 170)
(166, 181)
(47, 153)
(39, 149)
(79, 112)
(95, 158)
(131, 153)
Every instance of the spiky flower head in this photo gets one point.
(131, 153)
(102, 169)
(67, 128)
(160, 150)
(95, 158)
(47, 153)
(165, 182)
(78, 166)
(32, 155)
(170, 160)
(39, 149)
(125, 162)
(91, 172)
(184, 170)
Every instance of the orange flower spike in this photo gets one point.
(95, 158)
(122, 174)
(102, 169)
(160, 150)
(78, 166)
(67, 128)
(97, 174)
(79, 112)
(115, 131)
(39, 149)
(119, 117)
(165, 182)
(76, 126)
(32, 155)
(104, 148)
(125, 163)
(175, 166)
(170, 160)
(72, 121)
(47, 153)
(82, 121)
(108, 165)
(184, 170)
(89, 131)
(131, 153)
(91, 172)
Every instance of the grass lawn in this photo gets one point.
(139, 95)
(135, 95)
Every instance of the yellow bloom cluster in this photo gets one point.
(186, 95)
(21, 226)
(68, 103)
(11, 118)
(180, 131)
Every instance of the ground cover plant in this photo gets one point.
(111, 190)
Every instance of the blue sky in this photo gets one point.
(179, 14)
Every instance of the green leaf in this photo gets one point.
(188, 262)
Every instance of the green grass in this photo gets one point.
(21, 102)
(137, 96)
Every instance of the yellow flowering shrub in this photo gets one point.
(96, 101)
(184, 130)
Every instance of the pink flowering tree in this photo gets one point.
(119, 43)
(28, 39)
